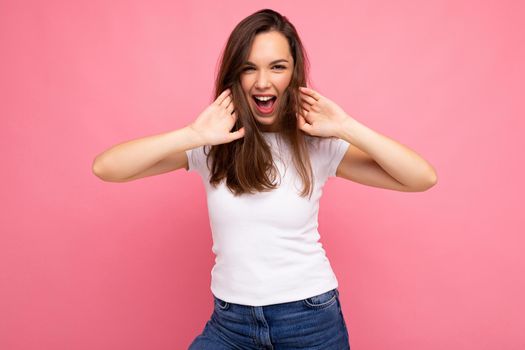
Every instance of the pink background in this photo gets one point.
(86, 264)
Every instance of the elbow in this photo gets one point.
(423, 185)
(96, 169)
(428, 180)
(428, 183)
(431, 183)
(99, 170)
(432, 179)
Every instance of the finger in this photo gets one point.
(308, 99)
(222, 96)
(303, 125)
(300, 120)
(230, 108)
(306, 106)
(310, 92)
(227, 100)
(306, 115)
(237, 134)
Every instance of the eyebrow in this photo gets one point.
(248, 63)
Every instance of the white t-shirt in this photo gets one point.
(267, 244)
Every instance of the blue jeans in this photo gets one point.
(314, 323)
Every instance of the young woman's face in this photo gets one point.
(266, 75)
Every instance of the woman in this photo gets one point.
(264, 149)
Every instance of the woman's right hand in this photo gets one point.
(213, 125)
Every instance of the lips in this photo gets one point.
(263, 98)
(265, 103)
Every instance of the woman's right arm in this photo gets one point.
(165, 152)
(146, 156)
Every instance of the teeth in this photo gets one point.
(263, 98)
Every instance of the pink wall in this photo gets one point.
(91, 265)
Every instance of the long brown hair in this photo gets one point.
(247, 163)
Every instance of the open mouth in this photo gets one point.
(264, 104)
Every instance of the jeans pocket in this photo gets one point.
(221, 304)
(323, 300)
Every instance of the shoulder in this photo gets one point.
(325, 145)
(197, 158)
(326, 153)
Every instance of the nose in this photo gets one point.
(262, 81)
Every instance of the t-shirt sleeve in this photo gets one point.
(197, 160)
(331, 152)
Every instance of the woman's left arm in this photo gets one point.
(397, 160)
(376, 159)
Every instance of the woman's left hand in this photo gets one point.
(319, 116)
